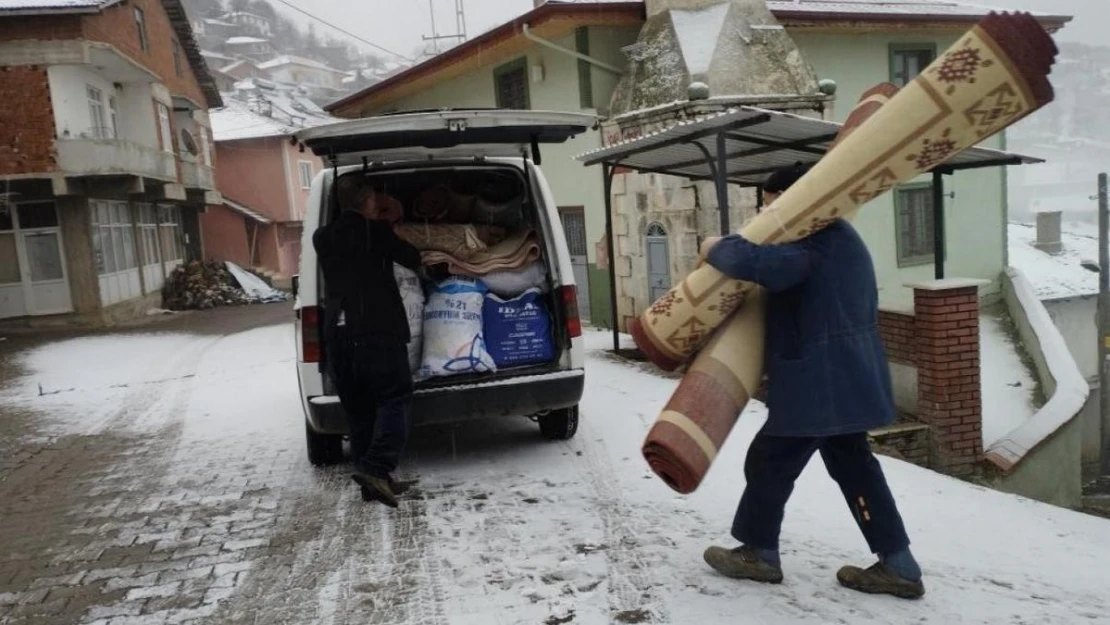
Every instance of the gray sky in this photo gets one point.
(399, 24)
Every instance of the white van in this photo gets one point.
(405, 152)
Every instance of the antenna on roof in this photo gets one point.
(460, 25)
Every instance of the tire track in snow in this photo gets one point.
(631, 584)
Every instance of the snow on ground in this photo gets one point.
(1055, 276)
(504, 527)
(1007, 383)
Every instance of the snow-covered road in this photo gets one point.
(161, 478)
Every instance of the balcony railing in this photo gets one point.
(197, 176)
(105, 157)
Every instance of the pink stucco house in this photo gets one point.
(264, 181)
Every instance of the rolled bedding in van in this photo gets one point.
(517, 251)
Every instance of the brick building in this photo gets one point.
(106, 155)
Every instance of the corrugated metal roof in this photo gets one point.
(892, 8)
(246, 212)
(759, 141)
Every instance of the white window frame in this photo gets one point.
(113, 115)
(140, 24)
(307, 173)
(98, 123)
(165, 127)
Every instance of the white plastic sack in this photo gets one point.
(453, 341)
(412, 296)
(255, 288)
(515, 282)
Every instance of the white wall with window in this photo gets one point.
(117, 262)
(33, 278)
(77, 116)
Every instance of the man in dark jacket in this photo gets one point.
(366, 332)
(828, 384)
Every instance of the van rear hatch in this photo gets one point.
(443, 135)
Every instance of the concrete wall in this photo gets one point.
(1052, 473)
(76, 227)
(1077, 320)
(975, 219)
(1042, 457)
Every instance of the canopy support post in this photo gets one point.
(610, 171)
(721, 176)
(938, 224)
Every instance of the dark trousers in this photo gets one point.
(374, 383)
(773, 465)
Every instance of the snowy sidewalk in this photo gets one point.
(165, 481)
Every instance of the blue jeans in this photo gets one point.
(774, 463)
(375, 389)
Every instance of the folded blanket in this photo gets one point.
(515, 252)
(457, 240)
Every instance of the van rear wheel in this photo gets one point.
(559, 425)
(323, 449)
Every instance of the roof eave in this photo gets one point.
(31, 11)
(184, 31)
(544, 12)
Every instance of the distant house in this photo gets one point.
(109, 160)
(300, 71)
(254, 48)
(264, 181)
(243, 69)
(252, 23)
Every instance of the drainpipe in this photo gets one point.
(578, 55)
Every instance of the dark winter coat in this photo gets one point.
(825, 362)
(356, 256)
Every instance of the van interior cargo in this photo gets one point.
(476, 220)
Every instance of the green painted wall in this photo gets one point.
(975, 219)
(600, 304)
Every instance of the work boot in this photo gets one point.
(398, 488)
(375, 489)
(880, 579)
(743, 562)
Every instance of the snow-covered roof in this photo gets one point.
(240, 119)
(1056, 276)
(244, 40)
(215, 22)
(54, 6)
(288, 59)
(882, 8)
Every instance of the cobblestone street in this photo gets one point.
(158, 475)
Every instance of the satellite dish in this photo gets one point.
(190, 142)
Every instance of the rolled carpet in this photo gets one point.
(683, 442)
(993, 76)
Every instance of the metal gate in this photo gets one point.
(658, 262)
(574, 225)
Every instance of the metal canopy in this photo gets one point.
(756, 142)
(742, 146)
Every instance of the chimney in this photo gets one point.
(1048, 232)
(735, 47)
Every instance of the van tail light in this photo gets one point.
(310, 333)
(570, 310)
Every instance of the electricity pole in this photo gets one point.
(1104, 320)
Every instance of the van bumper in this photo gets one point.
(524, 396)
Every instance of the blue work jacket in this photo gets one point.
(825, 361)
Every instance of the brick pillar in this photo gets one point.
(949, 396)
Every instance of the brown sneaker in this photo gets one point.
(375, 489)
(743, 563)
(879, 579)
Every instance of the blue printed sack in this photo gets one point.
(518, 330)
(453, 341)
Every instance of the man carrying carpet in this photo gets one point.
(828, 385)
